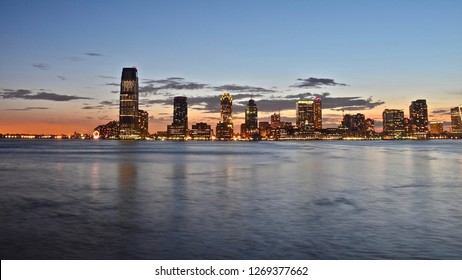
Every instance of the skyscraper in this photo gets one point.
(251, 118)
(418, 116)
(128, 110)
(180, 111)
(143, 118)
(456, 119)
(309, 115)
(178, 128)
(224, 129)
(393, 122)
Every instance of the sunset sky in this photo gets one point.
(61, 61)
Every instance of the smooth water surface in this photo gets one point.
(230, 200)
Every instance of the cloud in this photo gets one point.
(96, 107)
(109, 103)
(442, 112)
(62, 78)
(237, 88)
(42, 66)
(42, 95)
(106, 77)
(113, 84)
(347, 103)
(29, 108)
(316, 83)
(163, 86)
(104, 118)
(93, 54)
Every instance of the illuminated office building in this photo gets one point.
(436, 128)
(251, 118)
(108, 131)
(128, 110)
(393, 122)
(224, 129)
(456, 119)
(418, 116)
(275, 120)
(180, 111)
(143, 123)
(201, 131)
(355, 123)
(309, 115)
(370, 126)
(178, 129)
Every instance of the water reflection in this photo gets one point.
(305, 200)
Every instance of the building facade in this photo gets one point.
(143, 118)
(128, 110)
(309, 115)
(393, 122)
(436, 128)
(179, 127)
(456, 119)
(251, 119)
(418, 117)
(201, 131)
(225, 129)
(356, 123)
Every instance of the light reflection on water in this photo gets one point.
(216, 200)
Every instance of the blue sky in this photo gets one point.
(377, 54)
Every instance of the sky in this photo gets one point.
(61, 61)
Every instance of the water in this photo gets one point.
(230, 200)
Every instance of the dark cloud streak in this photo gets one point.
(29, 108)
(42, 66)
(312, 82)
(42, 95)
(93, 54)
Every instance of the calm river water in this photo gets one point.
(230, 200)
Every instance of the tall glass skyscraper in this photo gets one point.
(128, 110)
(225, 126)
(180, 111)
(309, 115)
(418, 116)
(179, 127)
(251, 118)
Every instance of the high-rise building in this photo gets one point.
(418, 116)
(225, 129)
(356, 123)
(251, 118)
(317, 113)
(393, 122)
(436, 128)
(180, 111)
(456, 119)
(309, 115)
(128, 110)
(178, 129)
(275, 120)
(143, 123)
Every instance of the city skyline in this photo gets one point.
(61, 72)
